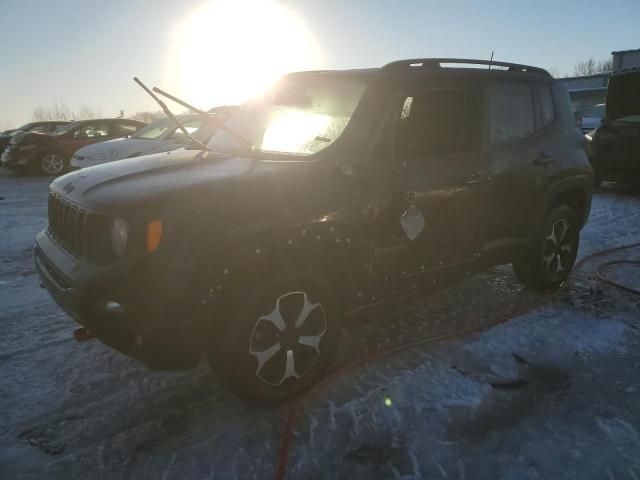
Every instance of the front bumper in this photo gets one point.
(12, 157)
(617, 168)
(139, 322)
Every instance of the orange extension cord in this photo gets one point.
(297, 405)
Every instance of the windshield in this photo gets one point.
(154, 130)
(300, 116)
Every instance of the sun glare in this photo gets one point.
(230, 50)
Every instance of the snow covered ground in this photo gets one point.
(552, 394)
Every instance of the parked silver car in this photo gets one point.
(592, 118)
(159, 136)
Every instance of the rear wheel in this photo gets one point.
(552, 254)
(280, 340)
(51, 163)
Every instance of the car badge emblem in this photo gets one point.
(68, 187)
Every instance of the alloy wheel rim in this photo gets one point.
(286, 342)
(558, 250)
(52, 163)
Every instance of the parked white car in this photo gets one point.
(159, 136)
(592, 118)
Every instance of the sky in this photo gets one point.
(212, 52)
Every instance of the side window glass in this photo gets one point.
(438, 122)
(40, 129)
(190, 126)
(545, 100)
(123, 129)
(510, 112)
(92, 131)
(406, 108)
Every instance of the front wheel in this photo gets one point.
(280, 339)
(549, 260)
(51, 164)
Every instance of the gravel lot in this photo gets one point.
(554, 393)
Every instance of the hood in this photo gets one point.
(623, 95)
(119, 148)
(112, 187)
(31, 138)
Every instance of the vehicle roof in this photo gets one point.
(440, 68)
(626, 71)
(93, 120)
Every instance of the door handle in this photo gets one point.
(542, 160)
(474, 178)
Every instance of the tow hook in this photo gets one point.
(82, 334)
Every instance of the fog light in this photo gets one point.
(113, 307)
(119, 235)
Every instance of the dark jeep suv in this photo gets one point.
(615, 146)
(335, 192)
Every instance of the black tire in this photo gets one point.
(239, 357)
(549, 260)
(50, 164)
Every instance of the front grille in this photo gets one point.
(67, 224)
(81, 233)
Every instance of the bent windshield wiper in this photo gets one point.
(171, 116)
(243, 142)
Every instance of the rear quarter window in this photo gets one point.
(511, 114)
(546, 108)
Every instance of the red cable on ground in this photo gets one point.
(601, 276)
(297, 405)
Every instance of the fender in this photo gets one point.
(581, 181)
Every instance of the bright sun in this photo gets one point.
(230, 50)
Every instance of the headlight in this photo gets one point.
(26, 147)
(103, 156)
(119, 235)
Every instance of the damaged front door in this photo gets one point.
(446, 176)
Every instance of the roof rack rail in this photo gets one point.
(624, 71)
(436, 63)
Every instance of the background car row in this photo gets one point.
(53, 148)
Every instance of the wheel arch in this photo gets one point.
(577, 198)
(576, 192)
(240, 259)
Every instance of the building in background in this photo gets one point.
(587, 91)
(626, 59)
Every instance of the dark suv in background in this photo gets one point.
(337, 192)
(43, 154)
(614, 148)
